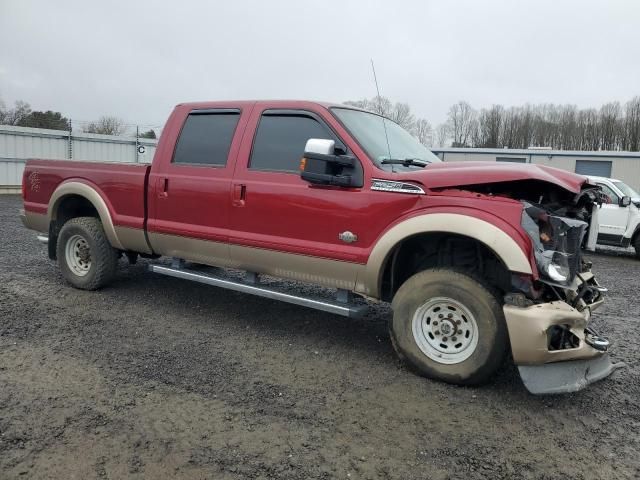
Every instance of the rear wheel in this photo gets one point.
(85, 256)
(636, 245)
(449, 327)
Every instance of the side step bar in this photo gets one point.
(337, 307)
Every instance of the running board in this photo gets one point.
(345, 309)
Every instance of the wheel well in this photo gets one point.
(68, 207)
(441, 250)
(634, 237)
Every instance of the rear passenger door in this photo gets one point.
(282, 225)
(191, 191)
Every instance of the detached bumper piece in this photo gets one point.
(554, 349)
(566, 377)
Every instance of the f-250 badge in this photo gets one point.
(348, 237)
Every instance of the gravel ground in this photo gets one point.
(156, 377)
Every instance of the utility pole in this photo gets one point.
(70, 144)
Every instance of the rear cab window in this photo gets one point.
(205, 138)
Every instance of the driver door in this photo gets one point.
(612, 218)
(282, 225)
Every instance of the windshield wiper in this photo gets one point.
(407, 162)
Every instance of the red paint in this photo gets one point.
(280, 211)
(121, 186)
(452, 174)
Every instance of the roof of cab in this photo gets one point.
(275, 103)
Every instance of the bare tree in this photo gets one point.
(3, 112)
(401, 114)
(106, 125)
(14, 116)
(610, 120)
(632, 125)
(380, 105)
(461, 123)
(490, 123)
(442, 135)
(398, 112)
(423, 131)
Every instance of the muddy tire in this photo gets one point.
(449, 327)
(85, 256)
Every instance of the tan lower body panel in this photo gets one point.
(192, 249)
(528, 333)
(132, 239)
(35, 221)
(320, 271)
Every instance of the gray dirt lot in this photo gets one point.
(161, 378)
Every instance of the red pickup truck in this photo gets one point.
(477, 259)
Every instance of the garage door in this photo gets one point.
(593, 167)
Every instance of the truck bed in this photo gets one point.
(121, 186)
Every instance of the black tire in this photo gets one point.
(426, 286)
(636, 245)
(103, 258)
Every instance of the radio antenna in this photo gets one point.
(384, 124)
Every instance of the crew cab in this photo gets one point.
(619, 217)
(477, 259)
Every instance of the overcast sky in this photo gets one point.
(136, 59)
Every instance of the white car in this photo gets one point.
(619, 219)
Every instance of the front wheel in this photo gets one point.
(448, 326)
(636, 245)
(85, 256)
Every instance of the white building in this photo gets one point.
(624, 166)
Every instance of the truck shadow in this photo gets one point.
(365, 341)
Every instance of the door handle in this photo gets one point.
(239, 194)
(163, 187)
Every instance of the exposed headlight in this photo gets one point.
(555, 265)
(556, 242)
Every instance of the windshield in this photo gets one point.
(626, 189)
(369, 130)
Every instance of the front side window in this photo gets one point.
(280, 140)
(206, 138)
(382, 139)
(611, 195)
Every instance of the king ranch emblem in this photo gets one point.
(34, 181)
(348, 237)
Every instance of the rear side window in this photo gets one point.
(205, 138)
(280, 141)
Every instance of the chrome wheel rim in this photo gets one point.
(445, 330)
(78, 255)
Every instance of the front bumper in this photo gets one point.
(528, 328)
(566, 377)
(545, 370)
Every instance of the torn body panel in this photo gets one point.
(547, 316)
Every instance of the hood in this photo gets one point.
(455, 174)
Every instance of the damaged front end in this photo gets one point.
(547, 318)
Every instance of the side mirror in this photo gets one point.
(324, 164)
(321, 146)
(625, 201)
